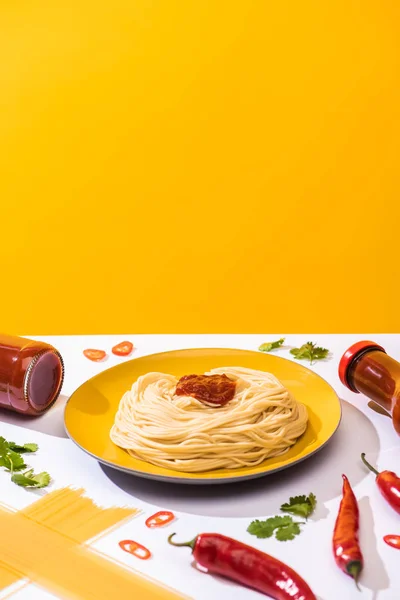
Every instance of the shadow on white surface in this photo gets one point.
(374, 576)
(51, 422)
(320, 474)
(378, 409)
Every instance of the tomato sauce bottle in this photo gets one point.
(31, 375)
(366, 368)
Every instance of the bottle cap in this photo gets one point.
(43, 380)
(351, 353)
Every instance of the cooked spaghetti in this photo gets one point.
(180, 432)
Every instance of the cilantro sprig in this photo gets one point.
(285, 527)
(301, 506)
(30, 479)
(268, 346)
(23, 449)
(12, 460)
(310, 351)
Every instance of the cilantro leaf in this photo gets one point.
(309, 351)
(265, 529)
(12, 461)
(301, 506)
(29, 479)
(42, 479)
(260, 529)
(22, 449)
(289, 532)
(9, 459)
(312, 499)
(3, 446)
(268, 346)
(22, 479)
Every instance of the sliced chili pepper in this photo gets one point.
(346, 547)
(122, 349)
(136, 549)
(246, 565)
(388, 483)
(393, 541)
(160, 518)
(95, 355)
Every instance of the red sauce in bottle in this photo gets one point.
(212, 389)
(31, 375)
(365, 367)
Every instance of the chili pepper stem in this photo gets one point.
(354, 571)
(190, 544)
(366, 463)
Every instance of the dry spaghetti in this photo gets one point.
(181, 433)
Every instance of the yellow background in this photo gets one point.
(216, 166)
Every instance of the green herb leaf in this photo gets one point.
(310, 351)
(29, 479)
(312, 499)
(268, 346)
(265, 529)
(12, 461)
(22, 449)
(42, 479)
(9, 459)
(301, 506)
(283, 534)
(3, 446)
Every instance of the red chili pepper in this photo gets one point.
(136, 549)
(393, 541)
(95, 355)
(346, 547)
(160, 518)
(122, 349)
(246, 565)
(388, 484)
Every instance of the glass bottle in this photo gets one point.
(31, 375)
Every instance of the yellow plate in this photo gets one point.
(90, 411)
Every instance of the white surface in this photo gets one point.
(229, 509)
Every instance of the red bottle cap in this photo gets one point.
(351, 353)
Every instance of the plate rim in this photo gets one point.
(197, 481)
